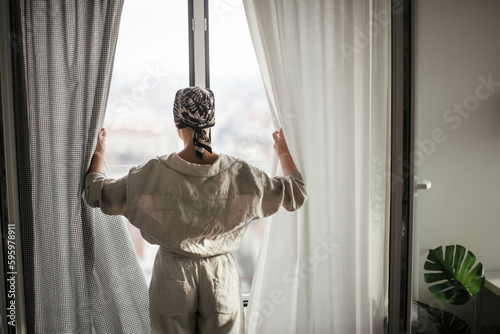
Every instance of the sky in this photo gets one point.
(160, 31)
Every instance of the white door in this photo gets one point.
(457, 104)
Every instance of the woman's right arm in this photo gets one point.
(287, 191)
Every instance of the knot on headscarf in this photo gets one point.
(194, 107)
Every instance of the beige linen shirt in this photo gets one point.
(192, 209)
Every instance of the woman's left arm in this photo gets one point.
(107, 194)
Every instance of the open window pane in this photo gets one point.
(243, 123)
(151, 64)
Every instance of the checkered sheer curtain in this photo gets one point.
(82, 274)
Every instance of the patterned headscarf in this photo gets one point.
(194, 108)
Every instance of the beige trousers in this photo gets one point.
(195, 295)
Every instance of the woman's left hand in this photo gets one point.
(101, 142)
(97, 164)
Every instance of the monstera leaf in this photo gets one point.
(446, 322)
(452, 279)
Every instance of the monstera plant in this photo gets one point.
(455, 278)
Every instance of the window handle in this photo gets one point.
(424, 185)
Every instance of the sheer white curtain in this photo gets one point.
(325, 66)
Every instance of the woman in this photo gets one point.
(196, 204)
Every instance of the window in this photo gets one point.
(153, 61)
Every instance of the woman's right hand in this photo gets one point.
(283, 153)
(280, 145)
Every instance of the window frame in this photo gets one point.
(402, 171)
(9, 209)
(199, 60)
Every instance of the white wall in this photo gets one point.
(457, 42)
